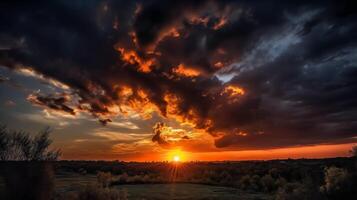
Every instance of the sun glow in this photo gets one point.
(176, 158)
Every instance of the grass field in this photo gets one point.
(182, 191)
(186, 191)
(71, 182)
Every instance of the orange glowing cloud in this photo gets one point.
(134, 38)
(205, 21)
(196, 20)
(233, 91)
(173, 110)
(138, 103)
(131, 57)
(222, 22)
(182, 70)
(171, 31)
(171, 138)
(218, 65)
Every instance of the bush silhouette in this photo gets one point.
(104, 179)
(338, 183)
(297, 191)
(268, 183)
(31, 177)
(21, 146)
(95, 192)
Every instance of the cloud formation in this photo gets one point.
(252, 74)
(168, 137)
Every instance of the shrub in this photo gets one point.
(225, 178)
(20, 146)
(123, 178)
(337, 183)
(244, 182)
(280, 182)
(296, 191)
(104, 178)
(136, 179)
(274, 173)
(255, 183)
(95, 192)
(250, 182)
(268, 183)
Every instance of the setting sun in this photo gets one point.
(176, 158)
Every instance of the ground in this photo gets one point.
(179, 191)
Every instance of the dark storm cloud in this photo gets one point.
(157, 135)
(158, 15)
(293, 64)
(3, 79)
(105, 121)
(56, 102)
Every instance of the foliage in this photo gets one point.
(101, 190)
(268, 183)
(21, 146)
(104, 179)
(296, 191)
(337, 183)
(95, 192)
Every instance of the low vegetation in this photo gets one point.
(21, 146)
(100, 190)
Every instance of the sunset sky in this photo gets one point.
(206, 80)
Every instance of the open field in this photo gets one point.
(187, 191)
(179, 191)
(72, 182)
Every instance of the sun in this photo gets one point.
(176, 158)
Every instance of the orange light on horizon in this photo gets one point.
(317, 151)
(176, 156)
